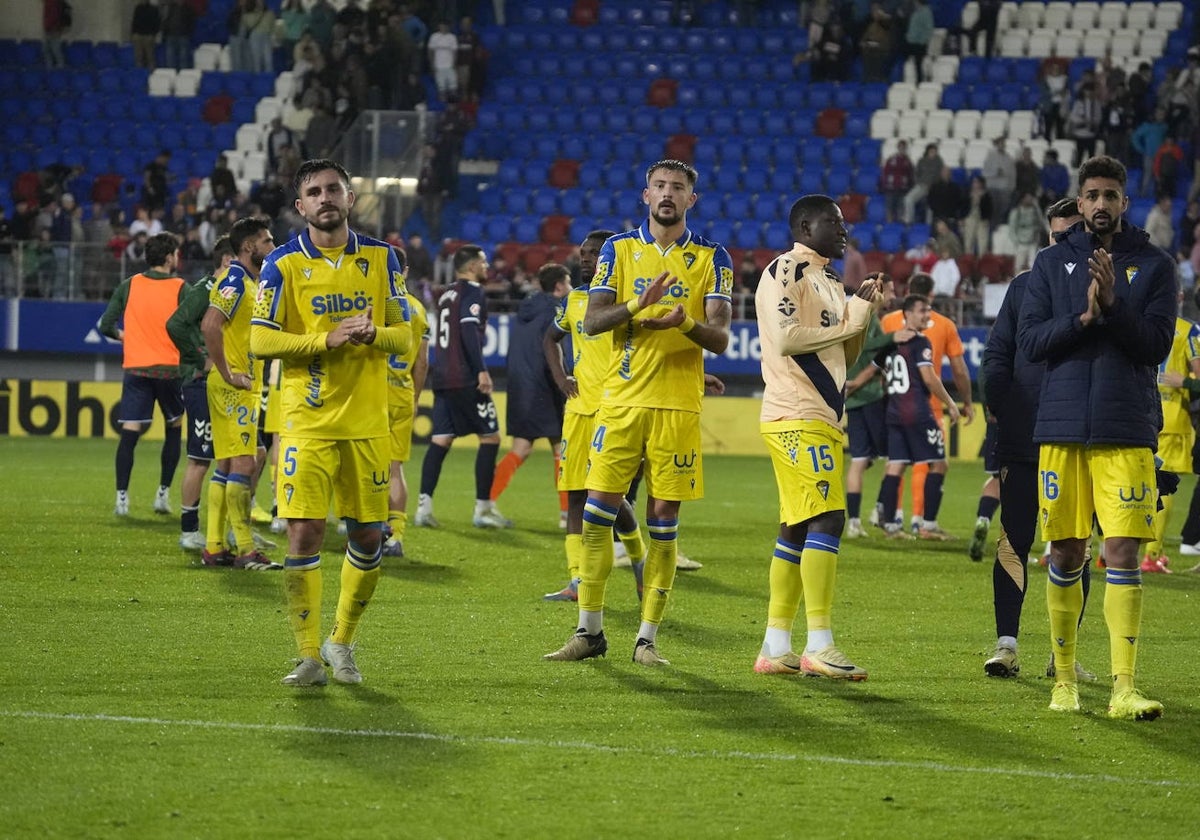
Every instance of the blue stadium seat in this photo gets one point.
(865, 234)
(873, 97)
(876, 213)
(846, 97)
(918, 232)
(954, 97)
(998, 71)
(868, 152)
(981, 97)
(812, 155)
(866, 180)
(756, 178)
(857, 125)
(792, 98)
(776, 235)
(498, 229)
(105, 55)
(745, 235)
(841, 154)
(599, 205)
(820, 96)
(812, 180)
(526, 228)
(763, 210)
(890, 237)
(1010, 97)
(837, 181)
(572, 202)
(785, 151)
(758, 153)
(544, 203)
(970, 69)
(1026, 70)
(491, 200)
(719, 230)
(581, 227)
(728, 179)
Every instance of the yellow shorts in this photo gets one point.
(668, 439)
(807, 457)
(1114, 483)
(1176, 452)
(354, 474)
(577, 431)
(400, 421)
(234, 415)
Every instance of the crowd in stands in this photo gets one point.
(343, 61)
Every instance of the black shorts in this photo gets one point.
(868, 430)
(534, 411)
(464, 411)
(140, 393)
(917, 443)
(199, 423)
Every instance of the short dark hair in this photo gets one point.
(244, 229)
(601, 234)
(465, 255)
(401, 257)
(1064, 208)
(911, 301)
(1103, 166)
(551, 274)
(311, 167)
(221, 250)
(920, 284)
(159, 247)
(673, 165)
(806, 207)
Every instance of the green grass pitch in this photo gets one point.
(140, 692)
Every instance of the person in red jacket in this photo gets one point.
(55, 21)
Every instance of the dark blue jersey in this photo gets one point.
(456, 351)
(908, 395)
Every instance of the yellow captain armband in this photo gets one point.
(689, 324)
(632, 306)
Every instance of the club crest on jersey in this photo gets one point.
(363, 265)
(1131, 273)
(1070, 267)
(689, 258)
(823, 489)
(786, 307)
(245, 438)
(927, 354)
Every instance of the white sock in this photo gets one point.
(1007, 642)
(648, 631)
(483, 505)
(591, 621)
(818, 640)
(777, 642)
(930, 524)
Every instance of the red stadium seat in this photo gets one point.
(831, 122)
(967, 265)
(217, 109)
(877, 261)
(534, 257)
(854, 207)
(106, 188)
(585, 12)
(763, 257)
(662, 93)
(561, 253)
(564, 174)
(554, 229)
(509, 251)
(27, 186)
(681, 147)
(901, 268)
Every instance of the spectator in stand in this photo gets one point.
(746, 281)
(1028, 173)
(54, 24)
(945, 237)
(420, 261)
(1188, 219)
(987, 23)
(922, 257)
(414, 26)
(1159, 225)
(1027, 229)
(977, 223)
(278, 136)
(917, 36)
(1146, 140)
(270, 195)
(945, 273)
(1055, 180)
(144, 31)
(465, 60)
(144, 221)
(352, 16)
(221, 180)
(876, 45)
(294, 19)
(431, 191)
(154, 181)
(896, 180)
(1083, 123)
(946, 200)
(1116, 124)
(928, 169)
(1140, 93)
(831, 55)
(258, 28)
(290, 161)
(9, 285)
(452, 128)
(321, 19)
(1054, 98)
(443, 55)
(854, 266)
(321, 132)
(178, 24)
(1168, 163)
(1000, 172)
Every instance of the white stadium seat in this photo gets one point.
(187, 82)
(1014, 43)
(883, 124)
(249, 138)
(965, 124)
(910, 126)
(1139, 16)
(1112, 15)
(162, 82)
(1021, 125)
(937, 124)
(1151, 43)
(970, 14)
(900, 96)
(1041, 44)
(951, 151)
(945, 69)
(1068, 44)
(928, 96)
(267, 109)
(1167, 16)
(1097, 43)
(993, 124)
(975, 153)
(1084, 14)
(1029, 15)
(207, 57)
(1057, 16)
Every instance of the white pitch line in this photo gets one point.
(584, 746)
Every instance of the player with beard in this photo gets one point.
(1100, 312)
(662, 293)
(331, 306)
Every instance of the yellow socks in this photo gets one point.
(818, 571)
(214, 530)
(302, 588)
(1064, 600)
(237, 502)
(658, 575)
(574, 549)
(597, 558)
(1123, 615)
(360, 575)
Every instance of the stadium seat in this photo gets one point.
(831, 122)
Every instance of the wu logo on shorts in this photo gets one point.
(685, 462)
(380, 479)
(1134, 495)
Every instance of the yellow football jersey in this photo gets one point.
(659, 368)
(234, 296)
(332, 394)
(1184, 348)
(400, 365)
(589, 353)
